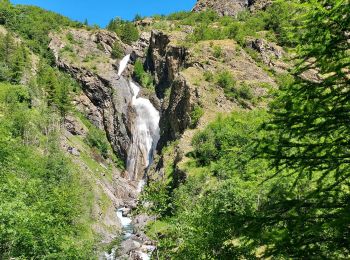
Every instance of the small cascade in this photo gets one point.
(123, 63)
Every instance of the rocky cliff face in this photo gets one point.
(87, 57)
(230, 7)
(165, 60)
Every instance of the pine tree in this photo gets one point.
(309, 138)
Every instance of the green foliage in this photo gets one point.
(217, 51)
(157, 194)
(39, 192)
(96, 138)
(221, 198)
(70, 37)
(192, 18)
(195, 115)
(245, 92)
(127, 31)
(14, 59)
(208, 76)
(209, 26)
(117, 51)
(33, 24)
(141, 76)
(226, 81)
(308, 136)
(233, 91)
(219, 138)
(137, 18)
(57, 86)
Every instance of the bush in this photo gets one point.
(217, 51)
(127, 31)
(226, 81)
(195, 115)
(70, 37)
(245, 92)
(117, 51)
(97, 139)
(33, 24)
(141, 76)
(14, 58)
(208, 76)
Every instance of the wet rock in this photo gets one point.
(126, 212)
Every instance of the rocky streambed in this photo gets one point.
(134, 244)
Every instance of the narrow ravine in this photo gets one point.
(145, 136)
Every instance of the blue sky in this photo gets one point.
(101, 11)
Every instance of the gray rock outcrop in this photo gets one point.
(91, 64)
(230, 7)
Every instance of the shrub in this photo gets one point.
(226, 79)
(217, 51)
(70, 37)
(127, 31)
(96, 139)
(195, 115)
(208, 76)
(142, 77)
(245, 92)
(117, 51)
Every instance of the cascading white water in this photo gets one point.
(145, 129)
(145, 132)
(123, 63)
(145, 136)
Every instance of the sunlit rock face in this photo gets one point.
(229, 7)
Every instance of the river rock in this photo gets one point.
(126, 212)
(129, 245)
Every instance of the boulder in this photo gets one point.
(129, 245)
(74, 151)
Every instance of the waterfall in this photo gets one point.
(145, 129)
(123, 63)
(145, 136)
(145, 133)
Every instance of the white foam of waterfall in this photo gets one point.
(110, 256)
(145, 132)
(125, 221)
(123, 63)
